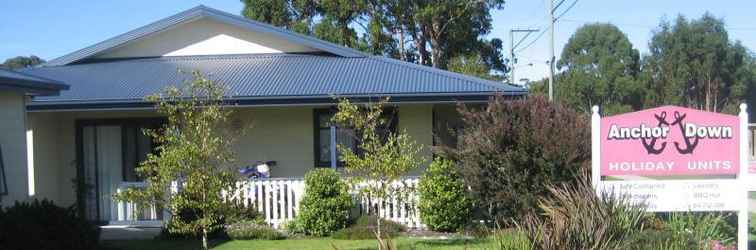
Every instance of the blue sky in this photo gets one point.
(50, 29)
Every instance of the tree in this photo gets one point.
(382, 158)
(428, 32)
(193, 153)
(511, 150)
(472, 65)
(600, 67)
(21, 62)
(694, 64)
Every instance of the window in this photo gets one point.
(328, 135)
(136, 147)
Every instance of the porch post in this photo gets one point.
(333, 147)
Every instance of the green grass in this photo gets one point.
(303, 244)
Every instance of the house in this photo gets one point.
(15, 88)
(86, 142)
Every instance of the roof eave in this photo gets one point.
(41, 106)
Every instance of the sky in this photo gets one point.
(52, 28)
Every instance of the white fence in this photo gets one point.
(278, 200)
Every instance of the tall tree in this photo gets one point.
(21, 62)
(429, 32)
(600, 67)
(694, 64)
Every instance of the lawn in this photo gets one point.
(303, 244)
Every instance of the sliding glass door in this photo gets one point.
(102, 169)
(109, 152)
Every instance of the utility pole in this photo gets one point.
(551, 49)
(513, 46)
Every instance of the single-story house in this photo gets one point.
(281, 83)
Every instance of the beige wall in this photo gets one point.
(284, 135)
(204, 37)
(13, 143)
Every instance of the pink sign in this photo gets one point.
(669, 141)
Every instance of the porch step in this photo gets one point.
(111, 232)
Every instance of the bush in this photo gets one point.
(702, 227)
(233, 211)
(326, 203)
(574, 217)
(661, 239)
(43, 225)
(510, 151)
(364, 228)
(443, 204)
(252, 230)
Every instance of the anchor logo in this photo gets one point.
(688, 148)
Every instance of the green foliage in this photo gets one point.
(472, 65)
(574, 217)
(600, 68)
(252, 230)
(21, 62)
(43, 225)
(444, 205)
(694, 64)
(192, 154)
(364, 228)
(383, 159)
(424, 32)
(702, 227)
(326, 203)
(511, 151)
(654, 239)
(511, 240)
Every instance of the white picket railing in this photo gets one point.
(130, 213)
(278, 201)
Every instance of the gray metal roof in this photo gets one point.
(30, 84)
(195, 13)
(263, 77)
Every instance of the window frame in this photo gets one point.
(392, 127)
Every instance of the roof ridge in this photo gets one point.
(444, 73)
(188, 57)
(202, 11)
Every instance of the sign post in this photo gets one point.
(674, 159)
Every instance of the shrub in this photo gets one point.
(511, 240)
(326, 203)
(443, 204)
(661, 239)
(702, 227)
(233, 211)
(574, 217)
(510, 151)
(364, 228)
(43, 225)
(252, 230)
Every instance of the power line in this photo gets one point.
(543, 30)
(565, 11)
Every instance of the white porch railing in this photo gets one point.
(278, 201)
(130, 213)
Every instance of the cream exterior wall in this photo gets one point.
(13, 143)
(204, 37)
(282, 134)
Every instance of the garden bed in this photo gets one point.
(297, 244)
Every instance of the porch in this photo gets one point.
(278, 201)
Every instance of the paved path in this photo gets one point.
(128, 233)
